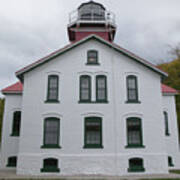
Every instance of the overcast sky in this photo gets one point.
(30, 29)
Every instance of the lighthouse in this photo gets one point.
(91, 18)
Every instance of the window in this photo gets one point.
(51, 133)
(50, 165)
(93, 132)
(136, 165)
(53, 83)
(85, 88)
(16, 123)
(132, 89)
(101, 88)
(92, 57)
(12, 161)
(134, 132)
(166, 123)
(170, 161)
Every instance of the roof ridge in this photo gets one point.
(20, 72)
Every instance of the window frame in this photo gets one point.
(93, 146)
(166, 122)
(16, 132)
(105, 100)
(48, 100)
(136, 168)
(136, 100)
(57, 145)
(130, 145)
(88, 57)
(10, 164)
(81, 89)
(49, 169)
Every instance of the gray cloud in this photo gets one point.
(31, 29)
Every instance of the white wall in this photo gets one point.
(73, 159)
(172, 142)
(10, 144)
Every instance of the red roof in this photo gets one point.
(167, 89)
(18, 88)
(14, 88)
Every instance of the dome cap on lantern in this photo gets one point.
(91, 4)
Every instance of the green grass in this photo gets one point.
(176, 171)
(162, 179)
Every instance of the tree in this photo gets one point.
(173, 80)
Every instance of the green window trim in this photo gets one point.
(12, 161)
(135, 146)
(52, 101)
(99, 100)
(133, 102)
(88, 78)
(166, 123)
(16, 124)
(16, 134)
(93, 102)
(92, 55)
(51, 146)
(50, 168)
(56, 89)
(136, 169)
(91, 145)
(170, 161)
(137, 128)
(136, 165)
(129, 89)
(56, 145)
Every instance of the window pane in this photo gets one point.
(101, 82)
(134, 137)
(101, 94)
(53, 82)
(134, 131)
(93, 132)
(85, 88)
(16, 122)
(85, 82)
(166, 123)
(85, 94)
(12, 161)
(132, 90)
(51, 131)
(101, 88)
(132, 94)
(136, 162)
(50, 163)
(53, 87)
(92, 56)
(131, 83)
(52, 94)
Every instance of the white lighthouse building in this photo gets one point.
(91, 107)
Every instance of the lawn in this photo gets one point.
(175, 171)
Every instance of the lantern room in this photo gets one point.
(91, 18)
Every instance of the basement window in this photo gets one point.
(50, 165)
(170, 161)
(12, 161)
(136, 165)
